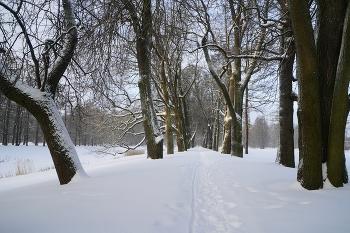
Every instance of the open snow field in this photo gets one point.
(192, 192)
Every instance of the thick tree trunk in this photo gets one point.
(226, 143)
(153, 134)
(209, 138)
(61, 147)
(330, 21)
(309, 111)
(237, 145)
(180, 118)
(336, 169)
(43, 108)
(285, 154)
(179, 133)
(184, 116)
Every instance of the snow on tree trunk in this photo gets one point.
(153, 134)
(168, 128)
(237, 145)
(61, 147)
(226, 144)
(43, 108)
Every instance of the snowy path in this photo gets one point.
(209, 211)
(198, 191)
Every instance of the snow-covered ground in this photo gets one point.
(196, 191)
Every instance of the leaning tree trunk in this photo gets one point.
(61, 147)
(43, 108)
(309, 111)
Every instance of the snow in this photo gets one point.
(195, 191)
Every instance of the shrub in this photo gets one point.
(134, 152)
(24, 166)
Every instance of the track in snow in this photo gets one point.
(209, 212)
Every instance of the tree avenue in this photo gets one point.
(118, 74)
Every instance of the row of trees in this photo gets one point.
(179, 69)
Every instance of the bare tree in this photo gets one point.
(141, 20)
(248, 47)
(50, 58)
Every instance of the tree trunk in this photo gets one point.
(330, 20)
(226, 143)
(285, 154)
(36, 142)
(153, 134)
(237, 146)
(168, 128)
(43, 108)
(7, 114)
(26, 130)
(179, 133)
(246, 117)
(210, 137)
(217, 125)
(339, 112)
(40, 101)
(182, 102)
(309, 111)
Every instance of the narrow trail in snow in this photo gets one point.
(209, 212)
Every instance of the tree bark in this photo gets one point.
(43, 108)
(336, 168)
(309, 111)
(330, 19)
(168, 127)
(217, 124)
(226, 143)
(143, 29)
(246, 117)
(7, 114)
(285, 154)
